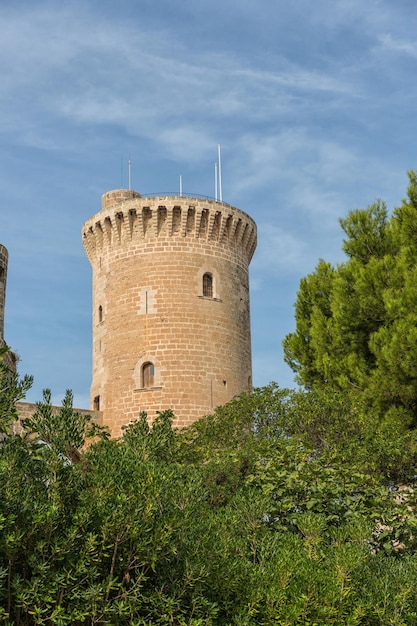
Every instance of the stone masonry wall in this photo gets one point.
(148, 257)
(3, 279)
(27, 409)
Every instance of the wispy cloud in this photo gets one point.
(77, 69)
(296, 78)
(279, 252)
(295, 155)
(313, 103)
(404, 47)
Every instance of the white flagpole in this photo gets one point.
(215, 181)
(220, 174)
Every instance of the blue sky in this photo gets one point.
(313, 103)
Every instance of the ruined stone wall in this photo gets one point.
(4, 256)
(150, 258)
(27, 409)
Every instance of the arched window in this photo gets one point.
(148, 374)
(207, 285)
(100, 313)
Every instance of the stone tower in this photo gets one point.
(171, 327)
(4, 257)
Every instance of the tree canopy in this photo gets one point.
(356, 323)
(270, 511)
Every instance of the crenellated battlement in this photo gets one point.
(127, 216)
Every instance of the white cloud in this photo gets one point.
(391, 44)
(75, 68)
(279, 252)
(300, 157)
(294, 77)
(313, 104)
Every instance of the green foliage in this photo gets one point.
(66, 430)
(12, 389)
(356, 323)
(368, 235)
(273, 510)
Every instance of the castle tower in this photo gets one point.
(171, 327)
(4, 257)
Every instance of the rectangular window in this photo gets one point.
(208, 285)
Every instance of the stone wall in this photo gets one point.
(159, 341)
(27, 409)
(4, 255)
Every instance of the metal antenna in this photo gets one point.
(180, 184)
(215, 181)
(220, 174)
(129, 167)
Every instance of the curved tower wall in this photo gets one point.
(4, 257)
(162, 337)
